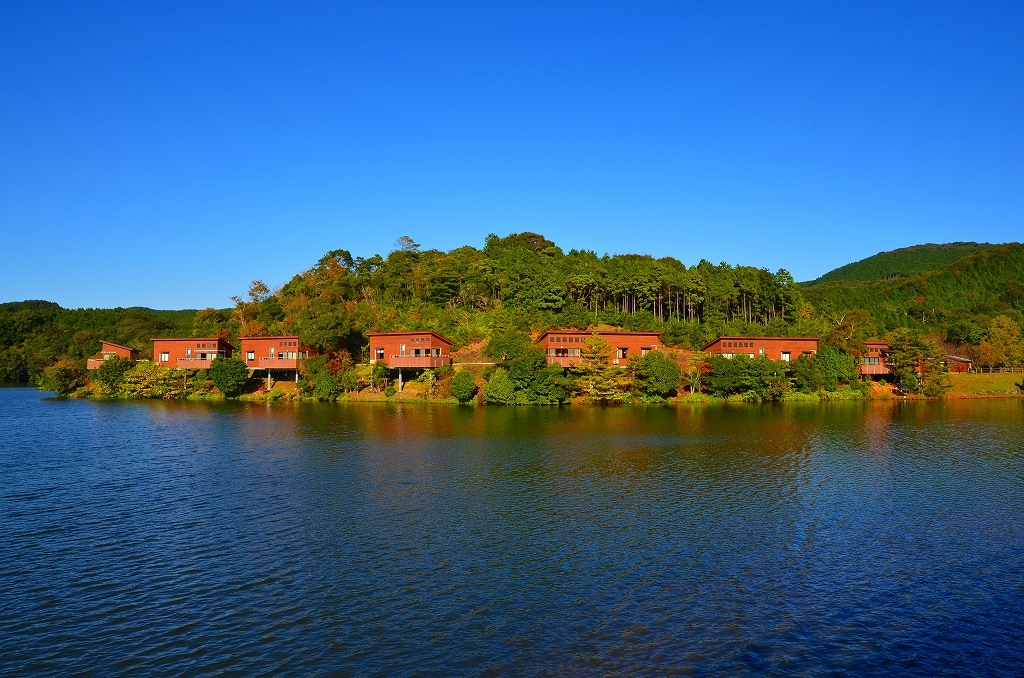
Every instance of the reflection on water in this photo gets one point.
(366, 539)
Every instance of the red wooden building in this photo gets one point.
(874, 359)
(110, 350)
(189, 353)
(274, 353)
(958, 364)
(414, 350)
(776, 348)
(563, 346)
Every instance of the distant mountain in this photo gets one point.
(972, 288)
(904, 262)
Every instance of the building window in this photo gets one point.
(250, 356)
(785, 357)
(188, 354)
(165, 357)
(621, 351)
(380, 354)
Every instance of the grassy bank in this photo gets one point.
(984, 385)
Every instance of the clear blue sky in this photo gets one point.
(164, 156)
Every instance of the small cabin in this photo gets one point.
(785, 349)
(274, 353)
(189, 353)
(415, 350)
(958, 365)
(563, 347)
(108, 350)
(874, 359)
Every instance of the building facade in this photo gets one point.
(958, 364)
(776, 348)
(414, 350)
(874, 360)
(189, 353)
(274, 353)
(110, 350)
(563, 347)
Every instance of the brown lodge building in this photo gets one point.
(776, 348)
(415, 350)
(108, 350)
(274, 353)
(562, 347)
(189, 353)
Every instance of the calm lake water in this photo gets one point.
(184, 539)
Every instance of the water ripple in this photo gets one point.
(182, 539)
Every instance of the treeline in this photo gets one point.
(902, 262)
(524, 283)
(519, 375)
(36, 334)
(974, 289)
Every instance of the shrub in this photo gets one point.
(429, 379)
(229, 375)
(111, 373)
(326, 387)
(806, 375)
(464, 386)
(389, 392)
(836, 367)
(507, 346)
(378, 374)
(655, 375)
(149, 380)
(752, 378)
(62, 377)
(500, 389)
(348, 381)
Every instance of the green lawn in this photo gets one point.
(967, 385)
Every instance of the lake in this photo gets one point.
(169, 538)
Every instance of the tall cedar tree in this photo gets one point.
(597, 379)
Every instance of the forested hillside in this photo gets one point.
(526, 283)
(959, 299)
(34, 334)
(522, 282)
(903, 262)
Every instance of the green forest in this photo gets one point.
(902, 262)
(524, 283)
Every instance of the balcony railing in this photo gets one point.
(563, 360)
(419, 361)
(193, 364)
(276, 363)
(881, 368)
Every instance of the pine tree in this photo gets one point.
(600, 381)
